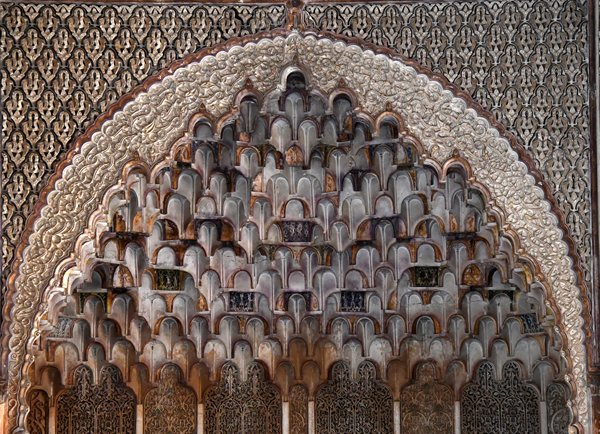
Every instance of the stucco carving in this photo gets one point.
(148, 125)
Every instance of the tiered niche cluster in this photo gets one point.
(298, 265)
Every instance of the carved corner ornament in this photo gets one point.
(149, 120)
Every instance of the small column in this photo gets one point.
(543, 417)
(457, 417)
(285, 417)
(139, 423)
(311, 417)
(52, 419)
(200, 419)
(397, 420)
(3, 416)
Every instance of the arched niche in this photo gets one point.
(145, 126)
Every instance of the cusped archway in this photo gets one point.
(366, 94)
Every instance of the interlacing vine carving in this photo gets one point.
(108, 407)
(505, 406)
(171, 407)
(354, 405)
(37, 419)
(426, 405)
(298, 399)
(248, 406)
(559, 416)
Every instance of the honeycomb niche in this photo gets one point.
(298, 266)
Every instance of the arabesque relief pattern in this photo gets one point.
(298, 402)
(249, 405)
(171, 407)
(297, 241)
(559, 416)
(65, 64)
(39, 412)
(104, 406)
(354, 402)
(499, 406)
(524, 61)
(427, 405)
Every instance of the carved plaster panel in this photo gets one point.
(298, 399)
(147, 126)
(354, 402)
(64, 65)
(37, 419)
(427, 405)
(248, 404)
(525, 61)
(102, 407)
(485, 401)
(171, 407)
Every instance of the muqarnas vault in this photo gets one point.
(298, 260)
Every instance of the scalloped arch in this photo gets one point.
(158, 114)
